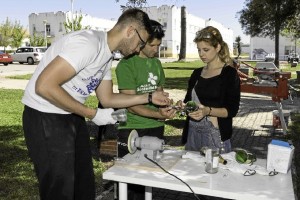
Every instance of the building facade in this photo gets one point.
(51, 25)
(170, 18)
(261, 46)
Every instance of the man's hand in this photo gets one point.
(103, 117)
(167, 112)
(160, 98)
(180, 105)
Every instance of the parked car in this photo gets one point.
(293, 57)
(265, 69)
(259, 54)
(5, 58)
(117, 55)
(28, 55)
(270, 57)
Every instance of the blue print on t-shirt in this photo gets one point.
(93, 85)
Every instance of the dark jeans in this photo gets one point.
(59, 147)
(204, 134)
(136, 192)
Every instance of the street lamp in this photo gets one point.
(159, 51)
(72, 15)
(45, 24)
(162, 46)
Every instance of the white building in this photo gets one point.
(168, 16)
(261, 46)
(52, 23)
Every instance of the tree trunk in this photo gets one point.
(276, 61)
(182, 54)
(295, 45)
(277, 31)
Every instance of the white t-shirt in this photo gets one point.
(87, 51)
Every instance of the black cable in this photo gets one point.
(146, 156)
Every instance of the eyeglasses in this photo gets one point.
(143, 43)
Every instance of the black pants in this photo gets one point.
(59, 147)
(136, 192)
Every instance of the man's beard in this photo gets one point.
(124, 47)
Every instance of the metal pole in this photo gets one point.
(123, 191)
(159, 51)
(72, 15)
(281, 117)
(45, 24)
(148, 193)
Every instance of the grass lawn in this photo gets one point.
(17, 178)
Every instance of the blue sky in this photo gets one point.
(219, 10)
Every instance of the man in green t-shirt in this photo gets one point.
(143, 73)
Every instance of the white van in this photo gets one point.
(270, 57)
(28, 55)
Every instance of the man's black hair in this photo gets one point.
(137, 16)
(157, 31)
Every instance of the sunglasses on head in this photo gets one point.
(157, 29)
(204, 34)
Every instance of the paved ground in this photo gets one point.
(253, 131)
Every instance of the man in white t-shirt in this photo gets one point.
(54, 115)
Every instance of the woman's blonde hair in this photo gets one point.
(212, 36)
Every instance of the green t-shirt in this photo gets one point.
(143, 75)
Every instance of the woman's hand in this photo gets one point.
(200, 113)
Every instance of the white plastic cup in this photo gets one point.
(212, 160)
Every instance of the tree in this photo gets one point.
(292, 31)
(133, 4)
(75, 24)
(19, 33)
(268, 18)
(6, 31)
(37, 40)
(11, 34)
(238, 45)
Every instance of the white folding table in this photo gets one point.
(225, 184)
